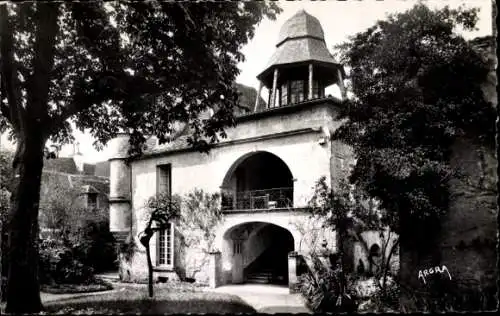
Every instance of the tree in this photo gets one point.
(105, 68)
(417, 88)
(163, 209)
(350, 212)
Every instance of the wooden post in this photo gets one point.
(258, 97)
(272, 104)
(341, 84)
(310, 81)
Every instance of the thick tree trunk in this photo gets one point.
(23, 292)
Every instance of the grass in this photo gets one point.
(135, 300)
(76, 288)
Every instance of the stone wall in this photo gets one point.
(469, 230)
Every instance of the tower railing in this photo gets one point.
(274, 198)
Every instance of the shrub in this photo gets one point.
(94, 245)
(320, 286)
(59, 265)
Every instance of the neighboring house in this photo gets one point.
(266, 169)
(70, 182)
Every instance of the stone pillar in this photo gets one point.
(310, 95)
(272, 104)
(292, 272)
(258, 97)
(343, 92)
(215, 269)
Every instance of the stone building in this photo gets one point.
(69, 181)
(266, 169)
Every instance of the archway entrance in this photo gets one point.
(259, 180)
(256, 252)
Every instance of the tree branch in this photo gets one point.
(10, 82)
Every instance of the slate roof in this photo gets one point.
(301, 24)
(102, 169)
(301, 39)
(66, 165)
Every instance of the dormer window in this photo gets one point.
(92, 200)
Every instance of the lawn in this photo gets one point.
(135, 300)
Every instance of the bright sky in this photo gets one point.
(340, 19)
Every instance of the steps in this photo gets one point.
(265, 276)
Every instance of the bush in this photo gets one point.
(321, 289)
(59, 265)
(94, 245)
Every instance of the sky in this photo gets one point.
(339, 19)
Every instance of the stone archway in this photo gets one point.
(258, 180)
(256, 252)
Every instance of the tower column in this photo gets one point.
(310, 81)
(119, 188)
(273, 92)
(341, 84)
(258, 97)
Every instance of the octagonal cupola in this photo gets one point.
(301, 67)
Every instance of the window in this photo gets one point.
(237, 245)
(317, 92)
(165, 247)
(296, 91)
(165, 241)
(284, 94)
(92, 200)
(163, 180)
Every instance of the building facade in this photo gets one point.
(265, 169)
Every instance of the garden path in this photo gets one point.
(266, 298)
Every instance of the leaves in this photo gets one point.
(417, 89)
(137, 67)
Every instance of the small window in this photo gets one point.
(237, 245)
(284, 94)
(296, 91)
(165, 246)
(164, 180)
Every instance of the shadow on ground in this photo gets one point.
(127, 302)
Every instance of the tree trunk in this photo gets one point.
(150, 272)
(23, 290)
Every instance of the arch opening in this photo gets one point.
(260, 180)
(256, 252)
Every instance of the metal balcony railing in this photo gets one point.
(257, 199)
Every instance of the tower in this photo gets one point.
(120, 188)
(301, 67)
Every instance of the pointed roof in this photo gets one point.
(301, 39)
(300, 25)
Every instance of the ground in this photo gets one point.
(177, 298)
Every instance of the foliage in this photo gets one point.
(85, 231)
(94, 245)
(163, 208)
(59, 265)
(107, 67)
(200, 214)
(457, 295)
(322, 289)
(417, 87)
(350, 211)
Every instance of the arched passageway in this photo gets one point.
(256, 252)
(259, 180)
